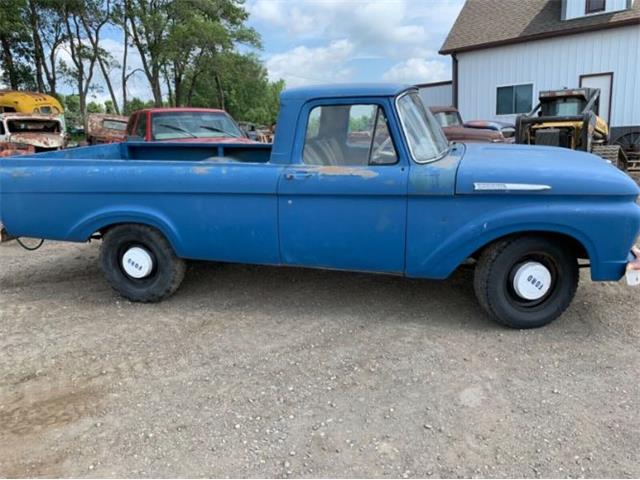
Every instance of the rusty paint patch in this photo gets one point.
(8, 149)
(19, 173)
(201, 170)
(347, 171)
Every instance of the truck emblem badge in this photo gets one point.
(521, 187)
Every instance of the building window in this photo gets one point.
(594, 6)
(514, 99)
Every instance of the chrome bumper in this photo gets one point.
(633, 268)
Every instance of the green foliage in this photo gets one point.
(136, 104)
(72, 114)
(248, 93)
(189, 49)
(95, 107)
(17, 71)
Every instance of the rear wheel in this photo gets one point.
(526, 282)
(140, 264)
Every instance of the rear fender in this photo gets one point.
(104, 219)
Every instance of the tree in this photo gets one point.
(83, 56)
(15, 45)
(93, 19)
(136, 104)
(147, 20)
(245, 90)
(44, 18)
(95, 107)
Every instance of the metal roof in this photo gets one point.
(487, 23)
(345, 90)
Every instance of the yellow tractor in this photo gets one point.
(569, 118)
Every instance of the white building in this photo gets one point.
(504, 52)
(436, 93)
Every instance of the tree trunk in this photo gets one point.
(150, 62)
(7, 60)
(124, 77)
(38, 51)
(220, 91)
(94, 39)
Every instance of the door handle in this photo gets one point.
(297, 175)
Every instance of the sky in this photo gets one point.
(323, 41)
(328, 41)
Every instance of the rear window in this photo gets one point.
(118, 125)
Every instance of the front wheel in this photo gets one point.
(140, 264)
(526, 282)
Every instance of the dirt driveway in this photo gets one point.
(255, 371)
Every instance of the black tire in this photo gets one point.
(163, 280)
(496, 270)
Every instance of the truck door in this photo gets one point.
(342, 200)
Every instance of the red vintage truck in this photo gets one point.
(184, 124)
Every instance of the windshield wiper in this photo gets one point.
(214, 129)
(177, 129)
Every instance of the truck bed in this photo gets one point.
(174, 151)
(179, 188)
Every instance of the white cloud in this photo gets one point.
(418, 70)
(405, 33)
(303, 65)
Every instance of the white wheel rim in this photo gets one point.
(532, 281)
(137, 262)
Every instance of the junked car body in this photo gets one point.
(455, 129)
(106, 128)
(360, 178)
(42, 132)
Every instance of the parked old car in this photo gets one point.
(42, 132)
(106, 128)
(475, 131)
(405, 202)
(186, 124)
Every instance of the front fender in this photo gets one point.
(606, 230)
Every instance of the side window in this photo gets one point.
(514, 99)
(141, 128)
(1, 128)
(348, 135)
(594, 6)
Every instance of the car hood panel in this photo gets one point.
(564, 171)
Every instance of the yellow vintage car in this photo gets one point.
(13, 101)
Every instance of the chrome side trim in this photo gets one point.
(518, 187)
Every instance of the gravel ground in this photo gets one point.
(264, 372)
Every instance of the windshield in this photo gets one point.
(173, 125)
(565, 106)
(448, 119)
(33, 126)
(424, 135)
(119, 125)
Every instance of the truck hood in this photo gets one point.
(517, 169)
(468, 134)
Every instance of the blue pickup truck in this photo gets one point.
(359, 177)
